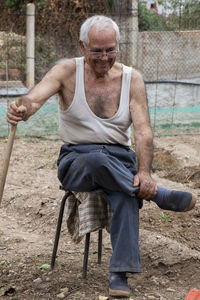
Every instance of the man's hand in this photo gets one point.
(148, 188)
(16, 114)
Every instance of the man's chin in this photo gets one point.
(103, 67)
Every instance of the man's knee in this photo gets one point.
(92, 160)
(97, 160)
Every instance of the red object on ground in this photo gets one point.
(193, 295)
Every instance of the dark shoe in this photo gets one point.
(118, 285)
(174, 200)
(192, 204)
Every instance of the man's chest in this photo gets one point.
(102, 96)
(103, 100)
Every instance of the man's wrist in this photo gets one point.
(144, 171)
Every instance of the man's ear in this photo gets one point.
(82, 46)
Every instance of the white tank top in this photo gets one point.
(79, 125)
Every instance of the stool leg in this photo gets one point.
(99, 246)
(59, 223)
(85, 259)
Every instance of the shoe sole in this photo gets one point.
(119, 293)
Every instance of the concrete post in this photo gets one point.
(30, 45)
(128, 24)
(133, 23)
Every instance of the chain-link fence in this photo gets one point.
(169, 55)
(168, 60)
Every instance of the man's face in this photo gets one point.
(100, 54)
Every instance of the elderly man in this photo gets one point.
(99, 100)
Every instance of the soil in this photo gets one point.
(169, 241)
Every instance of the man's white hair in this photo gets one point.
(100, 22)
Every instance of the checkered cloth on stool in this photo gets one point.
(86, 212)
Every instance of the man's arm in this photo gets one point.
(143, 137)
(48, 86)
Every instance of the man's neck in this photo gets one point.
(94, 75)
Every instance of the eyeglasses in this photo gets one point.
(99, 54)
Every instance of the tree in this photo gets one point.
(17, 4)
(190, 14)
(148, 19)
(184, 16)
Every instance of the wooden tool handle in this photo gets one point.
(6, 159)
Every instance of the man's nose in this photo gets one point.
(104, 55)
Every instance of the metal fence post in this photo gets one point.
(30, 45)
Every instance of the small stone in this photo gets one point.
(170, 290)
(61, 296)
(70, 251)
(37, 280)
(103, 298)
(64, 290)
(154, 280)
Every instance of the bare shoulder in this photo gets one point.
(117, 68)
(69, 64)
(63, 69)
(137, 89)
(136, 76)
(137, 84)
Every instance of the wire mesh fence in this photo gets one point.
(168, 60)
(174, 107)
(169, 55)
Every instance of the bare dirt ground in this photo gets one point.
(169, 242)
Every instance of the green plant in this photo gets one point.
(45, 56)
(175, 165)
(45, 266)
(14, 4)
(13, 54)
(44, 51)
(164, 216)
(18, 4)
(12, 51)
(149, 20)
(184, 15)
